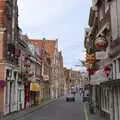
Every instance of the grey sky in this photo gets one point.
(62, 19)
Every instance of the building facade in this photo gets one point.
(75, 79)
(9, 58)
(48, 66)
(67, 81)
(61, 75)
(103, 38)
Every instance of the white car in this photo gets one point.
(70, 97)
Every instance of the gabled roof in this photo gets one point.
(48, 45)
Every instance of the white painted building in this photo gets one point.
(11, 89)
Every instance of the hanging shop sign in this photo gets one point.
(90, 58)
(107, 71)
(101, 43)
(98, 77)
(100, 55)
(90, 71)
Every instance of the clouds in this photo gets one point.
(62, 19)
(43, 11)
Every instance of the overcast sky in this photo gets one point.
(61, 19)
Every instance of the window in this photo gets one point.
(115, 69)
(101, 13)
(15, 75)
(119, 64)
(14, 92)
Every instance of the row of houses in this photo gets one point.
(31, 70)
(102, 43)
(74, 79)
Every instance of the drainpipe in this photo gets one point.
(10, 96)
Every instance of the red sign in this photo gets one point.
(107, 71)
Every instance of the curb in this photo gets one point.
(85, 112)
(31, 110)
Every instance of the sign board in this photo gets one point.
(98, 77)
(100, 55)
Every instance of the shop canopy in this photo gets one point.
(35, 87)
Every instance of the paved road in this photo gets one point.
(59, 110)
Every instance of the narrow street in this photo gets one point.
(59, 110)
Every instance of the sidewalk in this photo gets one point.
(16, 115)
(89, 116)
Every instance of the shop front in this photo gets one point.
(95, 89)
(34, 93)
(27, 95)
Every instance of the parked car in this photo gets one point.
(70, 98)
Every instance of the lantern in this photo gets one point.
(107, 70)
(101, 43)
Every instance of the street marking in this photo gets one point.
(85, 111)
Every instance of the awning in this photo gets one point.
(115, 82)
(35, 87)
